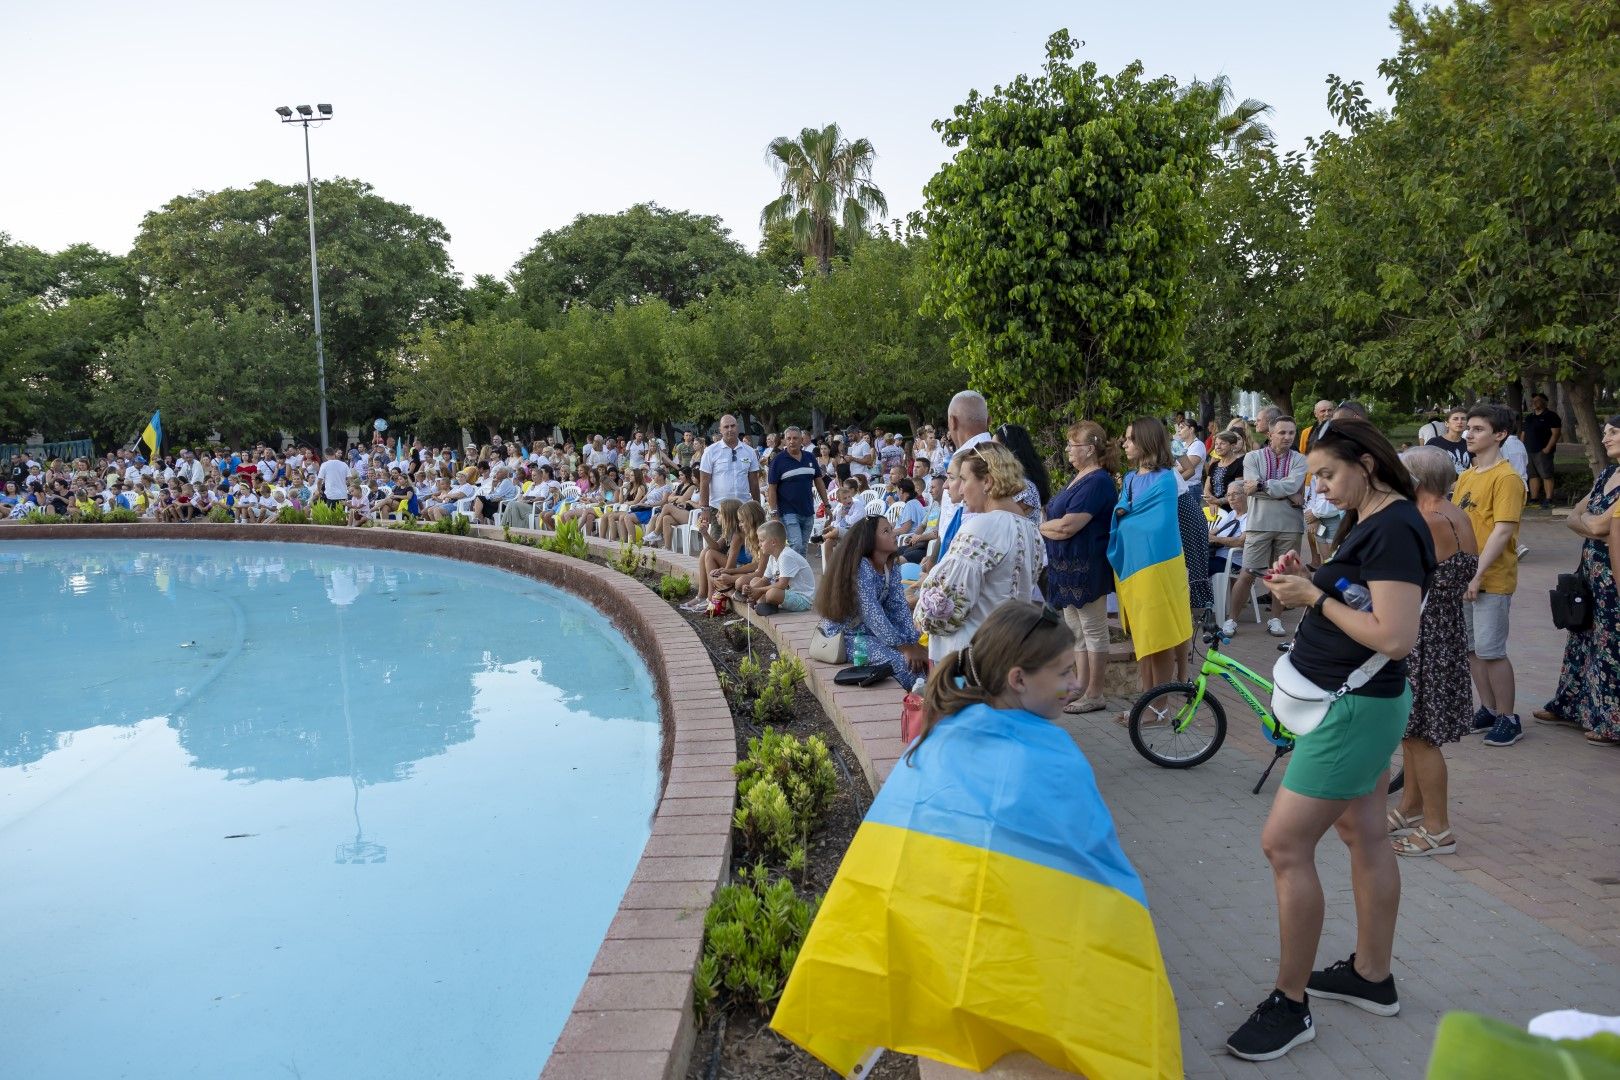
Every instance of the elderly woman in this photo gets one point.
(996, 555)
(1442, 705)
(1588, 694)
(1079, 579)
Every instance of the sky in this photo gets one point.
(504, 120)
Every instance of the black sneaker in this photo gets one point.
(1341, 982)
(1273, 1029)
(1484, 719)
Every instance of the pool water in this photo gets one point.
(276, 810)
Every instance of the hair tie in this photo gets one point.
(965, 662)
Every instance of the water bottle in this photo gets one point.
(1356, 596)
(857, 651)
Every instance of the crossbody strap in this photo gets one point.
(1372, 665)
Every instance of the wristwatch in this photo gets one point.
(1320, 600)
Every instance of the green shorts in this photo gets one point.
(1344, 757)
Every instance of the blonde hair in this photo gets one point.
(997, 465)
(750, 516)
(726, 517)
(1018, 634)
(773, 530)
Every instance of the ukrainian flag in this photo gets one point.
(985, 907)
(153, 435)
(1150, 571)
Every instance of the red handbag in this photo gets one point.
(911, 718)
(718, 605)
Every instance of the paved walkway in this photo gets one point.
(1524, 919)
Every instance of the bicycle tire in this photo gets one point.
(1145, 741)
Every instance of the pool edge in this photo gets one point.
(633, 1016)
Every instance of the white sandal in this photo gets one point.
(1401, 825)
(1422, 843)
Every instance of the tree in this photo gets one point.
(384, 272)
(471, 374)
(244, 372)
(826, 186)
(645, 253)
(1239, 127)
(1496, 256)
(737, 353)
(1063, 233)
(872, 349)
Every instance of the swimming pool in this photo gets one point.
(276, 810)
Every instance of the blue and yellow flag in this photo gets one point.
(153, 435)
(985, 907)
(1150, 571)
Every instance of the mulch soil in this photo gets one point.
(739, 1044)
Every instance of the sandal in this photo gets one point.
(1085, 705)
(1547, 716)
(1422, 843)
(1598, 740)
(1401, 825)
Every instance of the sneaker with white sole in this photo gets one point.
(1484, 720)
(1507, 731)
(1275, 628)
(1273, 1029)
(1229, 628)
(1342, 982)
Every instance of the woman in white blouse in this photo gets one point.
(996, 554)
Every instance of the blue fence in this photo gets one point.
(73, 448)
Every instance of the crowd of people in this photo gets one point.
(1362, 550)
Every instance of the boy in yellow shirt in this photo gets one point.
(1491, 493)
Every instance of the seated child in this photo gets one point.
(787, 583)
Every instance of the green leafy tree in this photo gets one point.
(244, 372)
(826, 186)
(603, 369)
(1496, 257)
(644, 253)
(384, 272)
(872, 349)
(475, 375)
(1063, 234)
(737, 353)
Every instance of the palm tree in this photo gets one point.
(826, 185)
(1239, 128)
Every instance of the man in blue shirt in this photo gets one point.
(792, 477)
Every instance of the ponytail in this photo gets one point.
(943, 697)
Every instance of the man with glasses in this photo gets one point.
(729, 469)
(792, 479)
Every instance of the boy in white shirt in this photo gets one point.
(788, 583)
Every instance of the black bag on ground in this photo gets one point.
(1571, 603)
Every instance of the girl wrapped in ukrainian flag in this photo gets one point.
(985, 906)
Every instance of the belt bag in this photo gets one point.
(1300, 705)
(1571, 603)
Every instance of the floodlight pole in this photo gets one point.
(314, 268)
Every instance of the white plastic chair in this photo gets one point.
(1221, 585)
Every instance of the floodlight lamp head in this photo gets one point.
(283, 112)
(305, 110)
(326, 110)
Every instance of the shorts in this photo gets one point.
(1487, 622)
(1345, 757)
(1261, 550)
(642, 516)
(1541, 466)
(795, 601)
(1089, 625)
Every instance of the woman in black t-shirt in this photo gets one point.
(1337, 775)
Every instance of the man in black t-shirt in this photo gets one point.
(1542, 431)
(1452, 441)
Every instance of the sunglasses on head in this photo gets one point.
(1050, 616)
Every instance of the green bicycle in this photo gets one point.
(1182, 724)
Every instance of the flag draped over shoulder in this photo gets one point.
(1150, 571)
(153, 435)
(985, 907)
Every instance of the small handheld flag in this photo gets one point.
(153, 435)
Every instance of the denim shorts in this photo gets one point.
(1487, 620)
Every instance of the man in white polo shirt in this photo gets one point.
(332, 482)
(729, 470)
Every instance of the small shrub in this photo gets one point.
(407, 525)
(292, 515)
(674, 587)
(91, 515)
(801, 768)
(750, 681)
(751, 939)
(324, 514)
(631, 559)
(119, 515)
(221, 514)
(42, 517)
(769, 827)
(775, 701)
(454, 525)
(569, 539)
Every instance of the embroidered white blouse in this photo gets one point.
(996, 557)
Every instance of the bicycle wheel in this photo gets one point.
(1163, 733)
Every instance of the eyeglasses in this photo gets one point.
(1050, 616)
